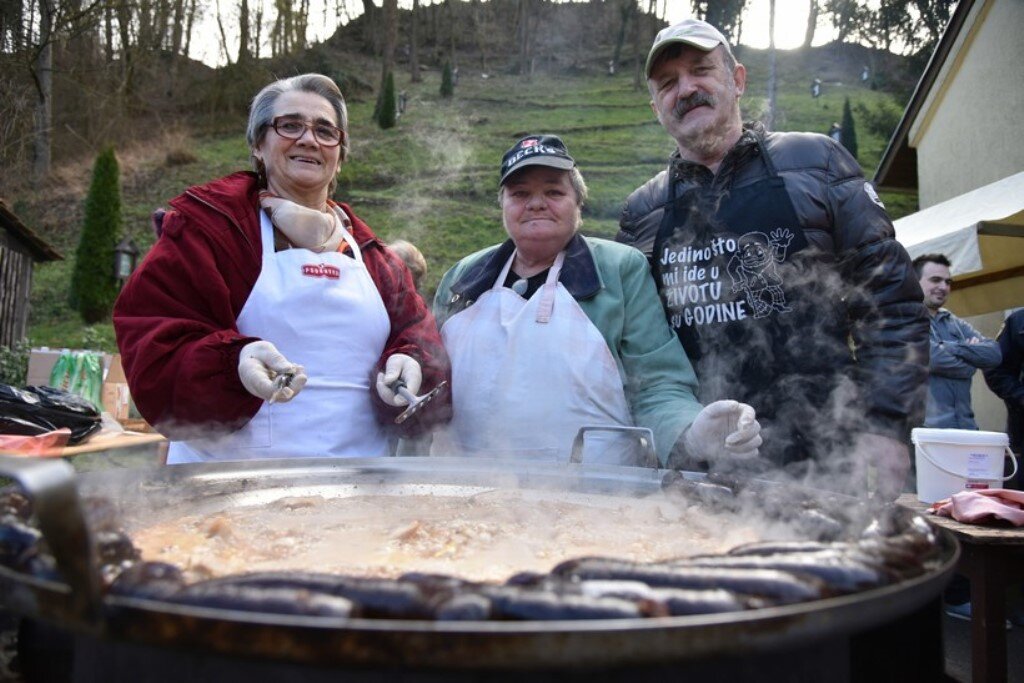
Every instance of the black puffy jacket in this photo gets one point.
(841, 214)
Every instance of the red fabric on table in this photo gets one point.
(34, 445)
(983, 506)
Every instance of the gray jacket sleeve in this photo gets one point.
(944, 361)
(983, 355)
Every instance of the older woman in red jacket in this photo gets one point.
(269, 321)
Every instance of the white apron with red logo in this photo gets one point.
(527, 374)
(321, 311)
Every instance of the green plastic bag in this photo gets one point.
(79, 373)
(60, 376)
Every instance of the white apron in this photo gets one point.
(527, 374)
(323, 312)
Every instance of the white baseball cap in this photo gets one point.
(699, 34)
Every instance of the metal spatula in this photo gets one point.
(416, 403)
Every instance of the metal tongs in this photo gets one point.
(416, 403)
(282, 381)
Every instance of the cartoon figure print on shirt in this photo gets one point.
(753, 269)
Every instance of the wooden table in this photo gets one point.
(990, 558)
(101, 451)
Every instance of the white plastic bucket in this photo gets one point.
(952, 460)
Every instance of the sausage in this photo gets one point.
(778, 586)
(259, 599)
(542, 605)
(148, 580)
(838, 570)
(668, 601)
(372, 598)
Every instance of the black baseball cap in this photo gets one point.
(536, 150)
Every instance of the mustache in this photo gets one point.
(697, 99)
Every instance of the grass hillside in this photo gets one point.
(432, 179)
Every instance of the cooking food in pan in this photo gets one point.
(464, 553)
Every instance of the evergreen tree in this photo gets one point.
(447, 88)
(93, 286)
(849, 134)
(386, 113)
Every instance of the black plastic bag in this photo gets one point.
(48, 409)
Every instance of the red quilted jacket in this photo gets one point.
(175, 318)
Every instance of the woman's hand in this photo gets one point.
(267, 374)
(399, 367)
(724, 431)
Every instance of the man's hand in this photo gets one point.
(890, 460)
(405, 368)
(260, 365)
(725, 431)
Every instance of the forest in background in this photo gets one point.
(77, 75)
(524, 66)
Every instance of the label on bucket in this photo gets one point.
(978, 466)
(971, 484)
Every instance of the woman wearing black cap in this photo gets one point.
(552, 331)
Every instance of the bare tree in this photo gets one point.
(452, 24)
(390, 17)
(223, 36)
(846, 16)
(637, 58)
(244, 53)
(726, 15)
(812, 22)
(480, 33)
(42, 77)
(414, 42)
(189, 23)
(625, 13)
(933, 16)
(38, 35)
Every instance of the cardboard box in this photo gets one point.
(115, 397)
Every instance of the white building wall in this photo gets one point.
(972, 133)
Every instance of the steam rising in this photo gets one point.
(819, 408)
(447, 158)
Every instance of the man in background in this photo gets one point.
(1007, 381)
(957, 350)
(770, 252)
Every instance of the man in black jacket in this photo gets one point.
(1007, 381)
(779, 270)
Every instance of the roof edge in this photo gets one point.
(898, 144)
(41, 251)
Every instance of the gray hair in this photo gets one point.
(579, 186)
(261, 112)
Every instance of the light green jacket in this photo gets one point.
(612, 284)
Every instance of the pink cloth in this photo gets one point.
(983, 506)
(15, 444)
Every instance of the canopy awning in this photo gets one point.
(982, 233)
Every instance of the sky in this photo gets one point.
(790, 23)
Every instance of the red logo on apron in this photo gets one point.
(321, 270)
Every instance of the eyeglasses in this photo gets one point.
(292, 128)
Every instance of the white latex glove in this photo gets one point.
(889, 461)
(725, 431)
(260, 364)
(306, 228)
(399, 366)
